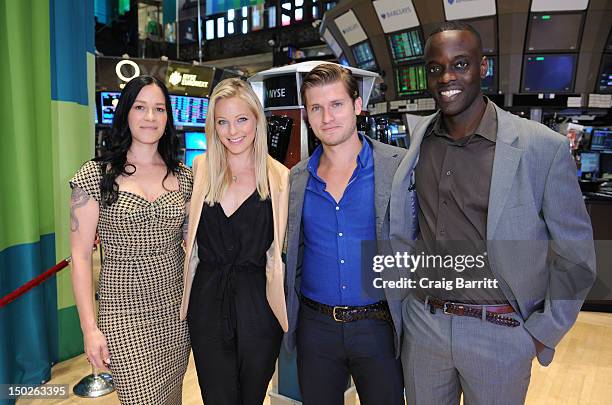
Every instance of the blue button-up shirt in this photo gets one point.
(333, 232)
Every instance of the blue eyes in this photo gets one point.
(241, 119)
(316, 108)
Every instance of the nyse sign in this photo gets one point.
(280, 91)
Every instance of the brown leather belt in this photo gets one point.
(378, 310)
(494, 313)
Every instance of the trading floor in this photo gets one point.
(580, 374)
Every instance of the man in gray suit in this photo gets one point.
(478, 179)
(339, 197)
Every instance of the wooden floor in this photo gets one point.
(580, 374)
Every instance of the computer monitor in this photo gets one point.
(554, 32)
(190, 155)
(589, 162)
(410, 79)
(601, 139)
(405, 45)
(343, 60)
(604, 82)
(487, 29)
(364, 57)
(108, 103)
(489, 83)
(195, 140)
(548, 73)
(189, 111)
(605, 163)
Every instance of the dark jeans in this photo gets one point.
(329, 352)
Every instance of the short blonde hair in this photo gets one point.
(219, 176)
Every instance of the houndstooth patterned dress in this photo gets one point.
(140, 290)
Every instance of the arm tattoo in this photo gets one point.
(78, 199)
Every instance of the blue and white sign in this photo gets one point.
(332, 43)
(350, 28)
(396, 15)
(462, 9)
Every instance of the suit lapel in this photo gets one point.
(402, 226)
(296, 198)
(505, 165)
(385, 164)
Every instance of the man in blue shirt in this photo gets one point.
(340, 197)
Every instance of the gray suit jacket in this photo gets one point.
(539, 235)
(386, 161)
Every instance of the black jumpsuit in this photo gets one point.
(234, 334)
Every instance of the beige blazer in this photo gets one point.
(278, 179)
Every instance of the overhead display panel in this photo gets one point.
(462, 9)
(558, 5)
(332, 43)
(554, 32)
(549, 73)
(350, 28)
(488, 33)
(604, 83)
(364, 57)
(405, 45)
(221, 6)
(410, 80)
(395, 15)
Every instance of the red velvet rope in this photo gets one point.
(34, 282)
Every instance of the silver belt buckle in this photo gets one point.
(335, 316)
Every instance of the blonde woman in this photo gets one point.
(233, 297)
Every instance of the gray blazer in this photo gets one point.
(386, 160)
(539, 235)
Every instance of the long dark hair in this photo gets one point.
(113, 153)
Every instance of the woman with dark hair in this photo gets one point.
(136, 194)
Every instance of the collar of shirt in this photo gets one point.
(364, 159)
(487, 128)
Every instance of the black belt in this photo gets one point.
(493, 312)
(378, 310)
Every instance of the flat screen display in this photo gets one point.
(548, 73)
(489, 83)
(190, 155)
(343, 60)
(604, 82)
(589, 162)
(364, 57)
(488, 33)
(189, 111)
(410, 79)
(554, 32)
(405, 45)
(195, 140)
(108, 103)
(601, 139)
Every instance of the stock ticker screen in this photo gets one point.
(189, 111)
(410, 79)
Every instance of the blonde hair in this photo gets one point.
(219, 176)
